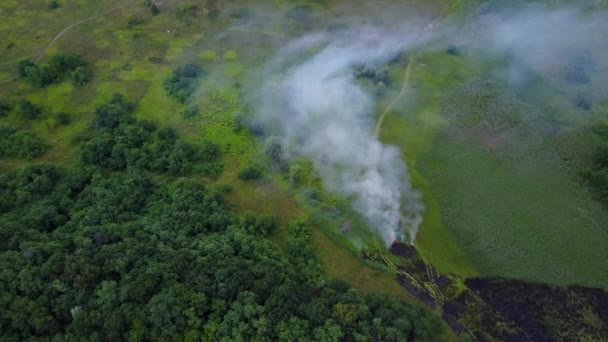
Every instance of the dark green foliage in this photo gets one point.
(43, 75)
(596, 176)
(81, 76)
(303, 256)
(154, 10)
(28, 110)
(134, 21)
(63, 118)
(5, 108)
(249, 173)
(53, 4)
(126, 255)
(183, 82)
(190, 113)
(123, 256)
(122, 142)
(112, 114)
(22, 144)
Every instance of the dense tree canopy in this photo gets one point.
(117, 256)
(106, 252)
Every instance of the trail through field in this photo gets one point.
(406, 81)
(69, 27)
(41, 54)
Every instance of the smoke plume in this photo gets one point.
(325, 115)
(308, 95)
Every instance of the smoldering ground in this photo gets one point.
(309, 96)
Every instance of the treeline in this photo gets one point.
(119, 141)
(54, 71)
(91, 255)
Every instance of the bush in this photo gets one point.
(117, 111)
(190, 113)
(21, 143)
(81, 76)
(63, 118)
(249, 173)
(182, 83)
(274, 148)
(28, 110)
(134, 21)
(154, 10)
(5, 108)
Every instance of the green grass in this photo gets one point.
(521, 215)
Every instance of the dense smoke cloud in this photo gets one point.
(325, 115)
(311, 98)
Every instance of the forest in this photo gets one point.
(119, 247)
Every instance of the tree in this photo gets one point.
(154, 10)
(249, 173)
(28, 110)
(273, 147)
(5, 108)
(81, 76)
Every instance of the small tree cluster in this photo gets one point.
(249, 172)
(53, 71)
(183, 82)
(22, 144)
(120, 142)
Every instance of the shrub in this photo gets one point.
(21, 143)
(249, 173)
(182, 83)
(154, 10)
(28, 110)
(5, 108)
(117, 111)
(190, 113)
(63, 118)
(81, 76)
(274, 148)
(134, 21)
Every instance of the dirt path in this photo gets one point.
(406, 81)
(69, 27)
(42, 52)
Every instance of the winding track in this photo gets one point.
(406, 81)
(65, 30)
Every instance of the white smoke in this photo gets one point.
(308, 94)
(325, 115)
